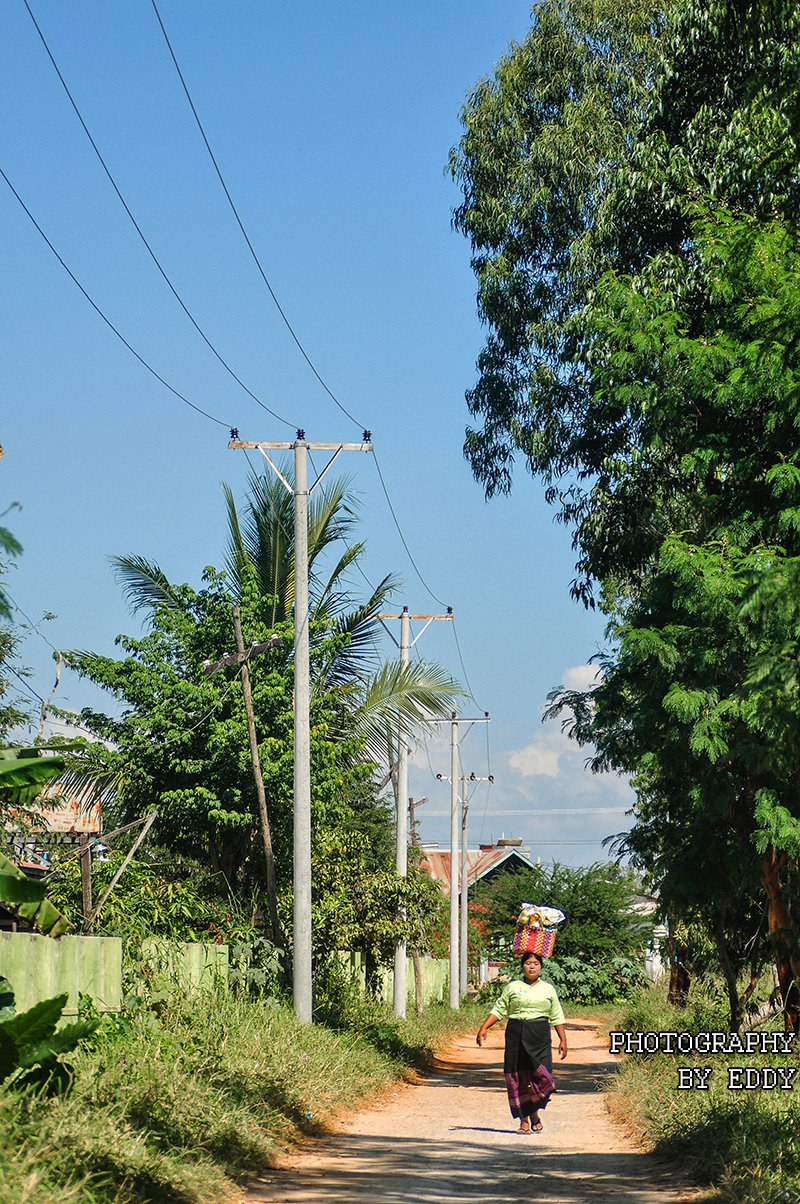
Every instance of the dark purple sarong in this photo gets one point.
(528, 1065)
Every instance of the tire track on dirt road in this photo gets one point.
(450, 1139)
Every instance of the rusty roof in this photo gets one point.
(480, 862)
(69, 808)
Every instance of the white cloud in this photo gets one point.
(581, 677)
(541, 756)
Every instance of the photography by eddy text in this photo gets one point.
(713, 1043)
(740, 1078)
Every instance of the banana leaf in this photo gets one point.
(25, 898)
(23, 772)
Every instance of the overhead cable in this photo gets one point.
(245, 235)
(30, 689)
(400, 533)
(141, 234)
(108, 321)
(17, 607)
(463, 666)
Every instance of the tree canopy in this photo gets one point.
(641, 293)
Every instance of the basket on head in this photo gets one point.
(536, 929)
(534, 940)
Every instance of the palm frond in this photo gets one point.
(331, 517)
(329, 600)
(356, 656)
(400, 697)
(236, 556)
(269, 538)
(143, 583)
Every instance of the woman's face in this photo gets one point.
(531, 968)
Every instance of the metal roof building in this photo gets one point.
(486, 862)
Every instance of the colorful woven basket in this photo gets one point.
(534, 940)
(536, 929)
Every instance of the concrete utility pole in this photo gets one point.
(400, 989)
(454, 884)
(412, 816)
(455, 960)
(302, 989)
(464, 896)
(401, 839)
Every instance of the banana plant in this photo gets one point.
(26, 899)
(23, 772)
(30, 1046)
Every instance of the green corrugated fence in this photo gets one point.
(192, 965)
(434, 973)
(39, 967)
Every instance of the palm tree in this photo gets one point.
(383, 702)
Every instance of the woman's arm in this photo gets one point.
(484, 1028)
(562, 1040)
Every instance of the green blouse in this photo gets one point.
(528, 1001)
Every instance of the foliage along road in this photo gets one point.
(451, 1139)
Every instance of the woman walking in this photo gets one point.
(531, 1007)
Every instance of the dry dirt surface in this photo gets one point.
(450, 1139)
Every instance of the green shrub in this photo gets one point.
(608, 980)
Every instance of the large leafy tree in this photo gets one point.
(543, 142)
(643, 360)
(583, 161)
(598, 953)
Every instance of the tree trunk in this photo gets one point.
(417, 981)
(370, 973)
(783, 937)
(727, 970)
(679, 976)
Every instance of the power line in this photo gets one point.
(400, 533)
(186, 310)
(108, 321)
(240, 224)
(144, 718)
(289, 326)
(140, 232)
(30, 689)
(17, 606)
(463, 666)
(187, 731)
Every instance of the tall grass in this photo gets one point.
(182, 1106)
(746, 1144)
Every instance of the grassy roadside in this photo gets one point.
(745, 1144)
(182, 1106)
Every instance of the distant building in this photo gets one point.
(483, 863)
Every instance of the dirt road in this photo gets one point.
(451, 1139)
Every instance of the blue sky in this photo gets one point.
(332, 126)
